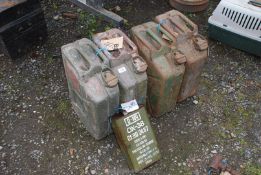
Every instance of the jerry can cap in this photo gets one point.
(179, 57)
(110, 79)
(200, 42)
(139, 64)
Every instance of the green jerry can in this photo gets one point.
(191, 44)
(126, 63)
(93, 87)
(165, 66)
(136, 139)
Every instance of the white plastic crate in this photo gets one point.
(238, 16)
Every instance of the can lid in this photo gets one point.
(179, 57)
(139, 64)
(200, 43)
(109, 77)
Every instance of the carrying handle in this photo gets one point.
(97, 52)
(154, 37)
(75, 61)
(111, 34)
(165, 32)
(194, 27)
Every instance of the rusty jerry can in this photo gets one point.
(93, 87)
(165, 73)
(129, 67)
(191, 44)
(136, 139)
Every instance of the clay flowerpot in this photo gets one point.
(189, 5)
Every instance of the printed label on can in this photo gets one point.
(130, 106)
(122, 69)
(137, 138)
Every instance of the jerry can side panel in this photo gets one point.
(97, 132)
(127, 82)
(141, 84)
(114, 99)
(97, 96)
(177, 87)
(159, 96)
(72, 77)
(191, 80)
(141, 91)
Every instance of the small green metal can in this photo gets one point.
(136, 139)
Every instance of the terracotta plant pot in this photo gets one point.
(189, 5)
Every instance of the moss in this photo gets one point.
(88, 24)
(63, 107)
(251, 169)
(207, 84)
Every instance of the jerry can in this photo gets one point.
(126, 63)
(191, 44)
(165, 71)
(93, 87)
(136, 139)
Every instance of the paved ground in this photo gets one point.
(40, 134)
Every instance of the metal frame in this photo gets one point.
(96, 7)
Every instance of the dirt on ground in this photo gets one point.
(41, 134)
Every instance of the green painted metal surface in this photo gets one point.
(136, 139)
(164, 73)
(93, 87)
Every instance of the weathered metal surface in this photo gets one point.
(189, 42)
(18, 36)
(165, 73)
(93, 87)
(189, 5)
(127, 65)
(136, 139)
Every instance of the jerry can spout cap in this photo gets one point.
(110, 79)
(179, 57)
(139, 64)
(200, 42)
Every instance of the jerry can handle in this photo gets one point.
(128, 41)
(155, 37)
(101, 56)
(109, 78)
(76, 67)
(88, 45)
(186, 20)
(162, 30)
